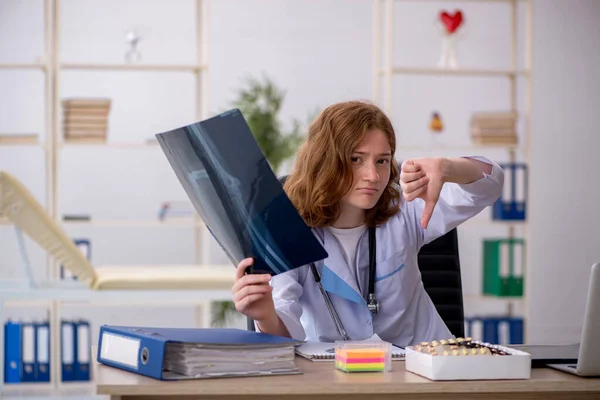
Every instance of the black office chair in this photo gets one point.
(439, 264)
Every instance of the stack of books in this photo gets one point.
(85, 120)
(494, 128)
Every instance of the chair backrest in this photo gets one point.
(439, 264)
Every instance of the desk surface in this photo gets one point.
(321, 380)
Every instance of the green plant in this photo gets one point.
(222, 312)
(260, 102)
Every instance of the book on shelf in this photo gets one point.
(85, 139)
(86, 125)
(77, 113)
(85, 133)
(495, 140)
(100, 103)
(495, 117)
(84, 118)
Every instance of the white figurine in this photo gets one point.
(133, 54)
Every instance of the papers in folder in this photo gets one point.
(176, 354)
(213, 361)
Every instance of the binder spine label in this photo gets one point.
(119, 349)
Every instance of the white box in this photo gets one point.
(517, 365)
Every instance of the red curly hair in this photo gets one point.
(323, 171)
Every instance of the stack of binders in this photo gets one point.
(512, 204)
(503, 266)
(176, 354)
(27, 351)
(495, 329)
(75, 350)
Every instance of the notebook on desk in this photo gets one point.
(319, 351)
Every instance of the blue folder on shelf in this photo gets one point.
(67, 351)
(13, 363)
(28, 352)
(208, 353)
(495, 329)
(42, 351)
(82, 344)
(512, 203)
(240, 200)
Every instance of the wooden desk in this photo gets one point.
(322, 381)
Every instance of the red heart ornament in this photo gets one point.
(451, 22)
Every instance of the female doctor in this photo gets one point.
(345, 186)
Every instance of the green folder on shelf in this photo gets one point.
(503, 266)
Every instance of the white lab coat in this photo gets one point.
(407, 314)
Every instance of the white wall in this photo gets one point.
(564, 208)
(319, 52)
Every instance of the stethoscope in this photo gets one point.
(372, 302)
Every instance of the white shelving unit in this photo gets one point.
(384, 70)
(199, 69)
(53, 293)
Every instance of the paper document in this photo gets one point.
(238, 197)
(323, 351)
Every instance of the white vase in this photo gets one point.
(448, 57)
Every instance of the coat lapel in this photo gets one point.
(336, 276)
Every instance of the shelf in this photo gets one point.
(482, 297)
(41, 66)
(140, 145)
(462, 1)
(46, 390)
(455, 72)
(134, 67)
(492, 222)
(65, 292)
(19, 139)
(400, 147)
(22, 144)
(183, 223)
(190, 224)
